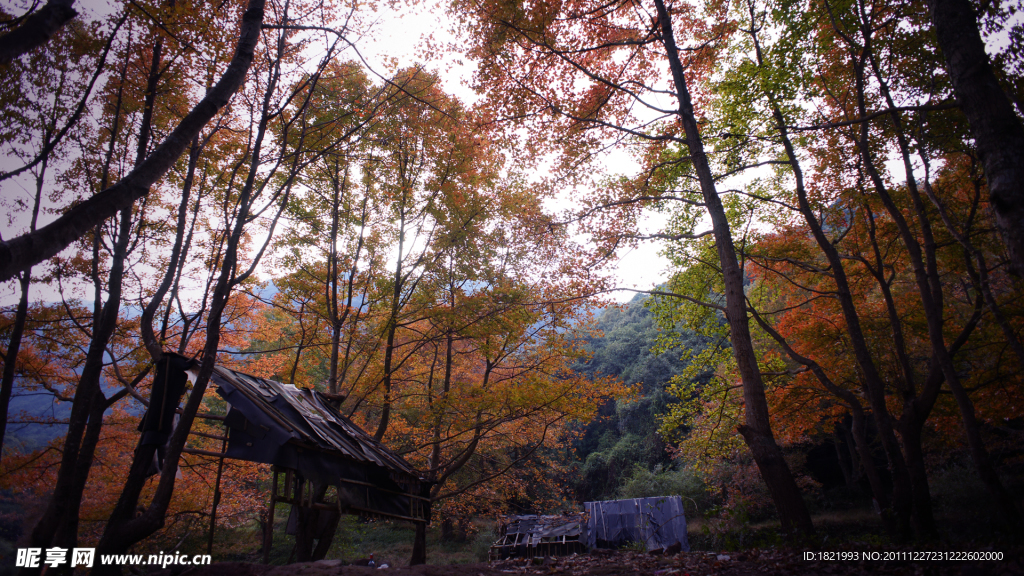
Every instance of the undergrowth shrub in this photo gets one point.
(686, 482)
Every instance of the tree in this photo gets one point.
(349, 105)
(20, 253)
(583, 67)
(223, 173)
(47, 91)
(847, 205)
(260, 181)
(58, 525)
(35, 29)
(463, 349)
(995, 126)
(491, 386)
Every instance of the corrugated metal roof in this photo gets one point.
(318, 423)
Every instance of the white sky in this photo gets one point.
(401, 36)
(397, 39)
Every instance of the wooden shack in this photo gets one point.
(323, 464)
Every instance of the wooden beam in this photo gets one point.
(198, 452)
(360, 483)
(205, 435)
(211, 417)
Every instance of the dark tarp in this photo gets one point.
(159, 420)
(657, 522)
(298, 429)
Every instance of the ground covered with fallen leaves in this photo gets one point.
(773, 562)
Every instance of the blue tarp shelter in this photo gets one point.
(658, 522)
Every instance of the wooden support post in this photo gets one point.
(268, 535)
(216, 491)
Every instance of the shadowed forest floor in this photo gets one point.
(756, 550)
(391, 542)
(783, 562)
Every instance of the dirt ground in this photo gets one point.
(749, 563)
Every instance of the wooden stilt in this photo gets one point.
(268, 535)
(216, 491)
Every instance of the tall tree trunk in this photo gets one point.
(1004, 503)
(874, 387)
(859, 431)
(21, 313)
(929, 287)
(910, 423)
(910, 433)
(11, 355)
(331, 287)
(867, 460)
(66, 530)
(24, 281)
(419, 545)
(756, 430)
(126, 528)
(851, 448)
(392, 327)
(60, 518)
(997, 131)
(59, 523)
(844, 466)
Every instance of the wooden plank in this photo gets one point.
(386, 515)
(211, 417)
(198, 452)
(205, 435)
(360, 483)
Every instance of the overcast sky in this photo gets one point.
(395, 39)
(402, 36)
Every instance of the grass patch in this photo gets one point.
(390, 542)
(859, 526)
(710, 534)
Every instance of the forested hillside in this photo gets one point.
(626, 434)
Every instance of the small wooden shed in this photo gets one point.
(321, 460)
(530, 536)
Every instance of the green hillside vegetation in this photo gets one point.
(623, 446)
